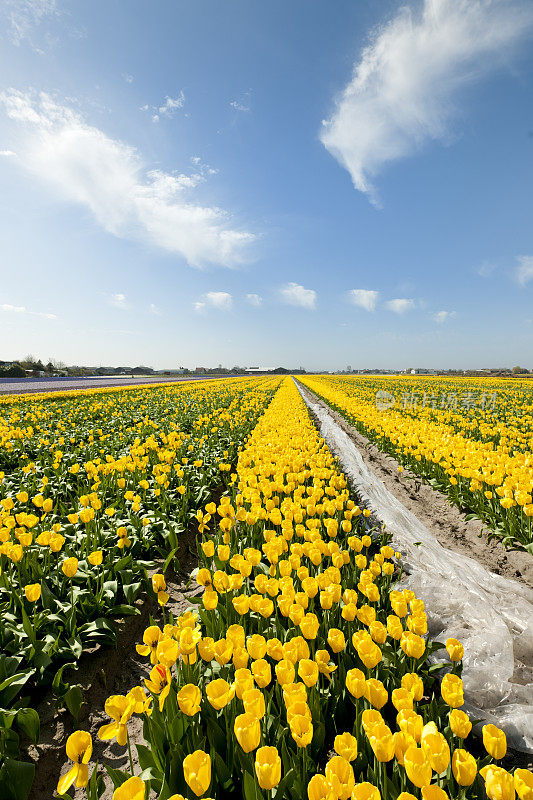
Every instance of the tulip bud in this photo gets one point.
(464, 767)
(494, 741)
(268, 767)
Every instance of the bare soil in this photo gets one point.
(445, 521)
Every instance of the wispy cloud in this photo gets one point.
(10, 309)
(127, 77)
(118, 301)
(153, 309)
(486, 269)
(405, 85)
(7, 153)
(400, 305)
(254, 299)
(108, 177)
(443, 316)
(25, 15)
(364, 298)
(243, 104)
(168, 108)
(524, 270)
(223, 301)
(296, 295)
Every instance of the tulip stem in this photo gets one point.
(129, 753)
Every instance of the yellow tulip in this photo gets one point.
(219, 693)
(355, 682)
(32, 592)
(345, 745)
(268, 767)
(69, 567)
(459, 723)
(417, 767)
(189, 698)
(197, 771)
(464, 767)
(434, 792)
(523, 784)
(120, 709)
(254, 702)
(319, 788)
(452, 690)
(454, 649)
(132, 789)
(499, 784)
(494, 741)
(79, 749)
(365, 791)
(247, 731)
(339, 774)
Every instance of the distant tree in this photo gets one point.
(520, 371)
(15, 371)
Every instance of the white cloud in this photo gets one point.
(24, 15)
(524, 270)
(223, 301)
(23, 310)
(243, 104)
(168, 108)
(118, 300)
(254, 299)
(404, 86)
(154, 310)
(108, 177)
(296, 295)
(7, 153)
(486, 269)
(443, 316)
(400, 305)
(127, 77)
(364, 298)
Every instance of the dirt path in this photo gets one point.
(101, 673)
(433, 509)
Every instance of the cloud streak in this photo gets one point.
(405, 86)
(10, 309)
(108, 177)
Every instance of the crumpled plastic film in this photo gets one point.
(492, 616)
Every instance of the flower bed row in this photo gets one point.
(304, 671)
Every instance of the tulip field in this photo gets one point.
(470, 438)
(303, 669)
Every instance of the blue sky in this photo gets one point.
(296, 183)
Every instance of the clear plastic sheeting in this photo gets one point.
(492, 616)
